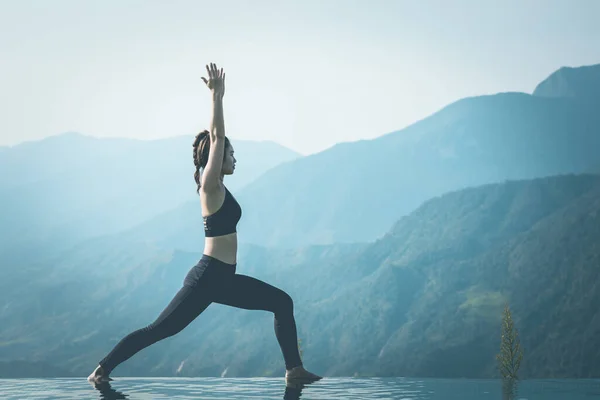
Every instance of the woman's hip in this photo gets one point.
(210, 270)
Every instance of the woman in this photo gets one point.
(214, 278)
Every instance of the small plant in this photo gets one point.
(510, 356)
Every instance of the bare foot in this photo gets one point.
(98, 376)
(300, 375)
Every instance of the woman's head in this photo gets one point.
(201, 148)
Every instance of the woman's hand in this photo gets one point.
(216, 80)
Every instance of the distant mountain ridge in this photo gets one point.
(61, 153)
(70, 187)
(580, 83)
(354, 191)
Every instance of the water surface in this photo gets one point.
(275, 388)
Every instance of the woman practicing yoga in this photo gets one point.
(214, 278)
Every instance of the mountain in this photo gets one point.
(595, 169)
(66, 188)
(531, 244)
(580, 83)
(354, 192)
(425, 299)
(24, 369)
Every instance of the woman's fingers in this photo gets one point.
(214, 74)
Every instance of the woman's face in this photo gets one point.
(229, 161)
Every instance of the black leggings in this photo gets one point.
(211, 281)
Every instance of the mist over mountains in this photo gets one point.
(64, 189)
(399, 252)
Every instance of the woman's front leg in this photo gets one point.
(249, 293)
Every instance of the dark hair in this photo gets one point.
(201, 150)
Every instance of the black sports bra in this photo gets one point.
(225, 219)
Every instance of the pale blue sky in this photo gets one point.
(306, 74)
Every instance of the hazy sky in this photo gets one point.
(306, 74)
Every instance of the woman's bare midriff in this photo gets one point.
(223, 248)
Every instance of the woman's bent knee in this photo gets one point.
(285, 303)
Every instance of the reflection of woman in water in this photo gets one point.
(214, 278)
(293, 391)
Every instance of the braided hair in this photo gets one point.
(201, 148)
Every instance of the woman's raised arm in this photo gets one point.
(211, 177)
